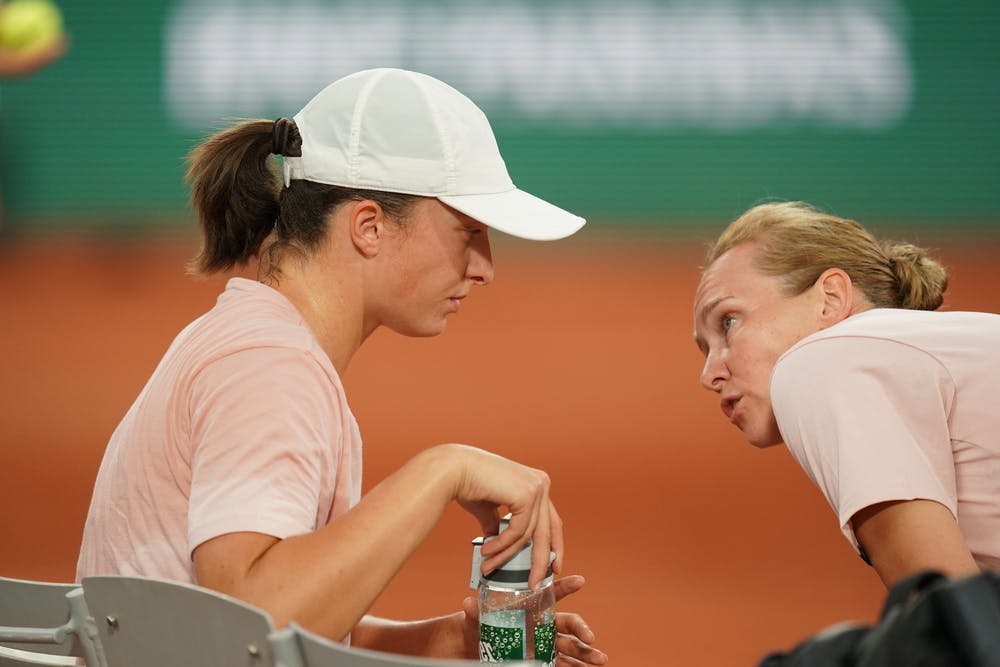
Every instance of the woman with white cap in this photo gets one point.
(239, 466)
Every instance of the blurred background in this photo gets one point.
(658, 120)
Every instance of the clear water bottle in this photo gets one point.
(515, 622)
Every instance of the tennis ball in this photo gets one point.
(29, 25)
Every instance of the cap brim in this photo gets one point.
(517, 213)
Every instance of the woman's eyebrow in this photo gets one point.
(708, 307)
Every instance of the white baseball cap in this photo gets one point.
(399, 131)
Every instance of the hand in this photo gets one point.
(573, 635)
(488, 482)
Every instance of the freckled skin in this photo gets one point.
(436, 255)
(743, 323)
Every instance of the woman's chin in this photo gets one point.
(762, 440)
(422, 330)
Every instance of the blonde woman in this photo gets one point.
(819, 335)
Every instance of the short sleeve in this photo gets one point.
(266, 437)
(867, 419)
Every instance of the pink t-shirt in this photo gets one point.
(243, 426)
(896, 404)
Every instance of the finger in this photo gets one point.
(519, 530)
(576, 662)
(567, 585)
(574, 625)
(572, 648)
(500, 557)
(558, 545)
(541, 547)
(515, 530)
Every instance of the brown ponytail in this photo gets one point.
(234, 188)
(241, 204)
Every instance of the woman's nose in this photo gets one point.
(713, 372)
(481, 262)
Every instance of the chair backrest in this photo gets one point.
(40, 620)
(151, 622)
(295, 646)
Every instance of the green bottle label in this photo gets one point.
(500, 644)
(502, 639)
(545, 649)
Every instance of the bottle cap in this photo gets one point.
(511, 574)
(515, 571)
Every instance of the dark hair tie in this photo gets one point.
(285, 139)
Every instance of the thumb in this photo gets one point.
(470, 606)
(567, 585)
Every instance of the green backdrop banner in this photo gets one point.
(657, 113)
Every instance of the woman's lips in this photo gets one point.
(729, 407)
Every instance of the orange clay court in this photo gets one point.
(698, 548)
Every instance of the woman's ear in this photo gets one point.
(367, 226)
(837, 293)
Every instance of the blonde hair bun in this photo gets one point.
(922, 279)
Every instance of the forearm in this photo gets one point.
(327, 580)
(441, 637)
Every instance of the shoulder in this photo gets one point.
(919, 329)
(860, 340)
(876, 352)
(262, 391)
(892, 336)
(260, 314)
(254, 327)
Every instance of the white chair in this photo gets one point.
(295, 646)
(43, 623)
(147, 622)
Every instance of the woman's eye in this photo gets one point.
(726, 322)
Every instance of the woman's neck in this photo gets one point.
(329, 304)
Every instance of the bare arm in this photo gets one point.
(326, 580)
(442, 637)
(904, 537)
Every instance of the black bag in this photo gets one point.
(928, 621)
